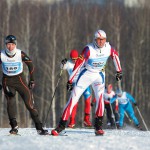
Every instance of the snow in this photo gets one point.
(76, 139)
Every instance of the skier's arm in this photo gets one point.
(79, 63)
(29, 63)
(130, 98)
(113, 99)
(64, 64)
(115, 58)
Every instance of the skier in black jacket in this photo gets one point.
(13, 80)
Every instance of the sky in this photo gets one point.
(76, 139)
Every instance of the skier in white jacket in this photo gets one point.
(94, 58)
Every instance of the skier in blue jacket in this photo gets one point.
(124, 100)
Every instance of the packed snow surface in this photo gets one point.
(76, 139)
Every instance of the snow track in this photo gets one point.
(77, 139)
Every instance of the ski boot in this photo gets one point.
(139, 127)
(99, 132)
(71, 123)
(119, 127)
(108, 125)
(98, 126)
(14, 130)
(87, 122)
(59, 128)
(42, 132)
(40, 129)
(14, 126)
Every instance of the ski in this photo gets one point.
(14, 134)
(60, 134)
(63, 134)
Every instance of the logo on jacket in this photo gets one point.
(98, 64)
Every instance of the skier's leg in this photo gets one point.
(108, 114)
(25, 93)
(130, 111)
(72, 117)
(87, 107)
(98, 87)
(121, 113)
(112, 107)
(83, 82)
(115, 110)
(10, 92)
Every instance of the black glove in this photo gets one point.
(118, 76)
(135, 104)
(64, 61)
(69, 86)
(1, 87)
(108, 99)
(31, 84)
(92, 104)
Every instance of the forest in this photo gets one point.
(48, 31)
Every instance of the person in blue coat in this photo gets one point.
(125, 101)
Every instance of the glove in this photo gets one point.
(118, 76)
(93, 101)
(1, 87)
(69, 86)
(31, 84)
(92, 104)
(135, 104)
(108, 99)
(64, 61)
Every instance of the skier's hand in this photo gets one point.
(135, 104)
(31, 84)
(64, 61)
(92, 104)
(69, 86)
(119, 76)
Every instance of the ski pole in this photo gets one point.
(142, 118)
(119, 85)
(113, 116)
(128, 117)
(53, 96)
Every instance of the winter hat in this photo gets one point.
(74, 54)
(100, 34)
(11, 39)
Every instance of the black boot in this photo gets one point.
(14, 127)
(139, 127)
(59, 128)
(98, 126)
(40, 129)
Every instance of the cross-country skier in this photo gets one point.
(124, 100)
(69, 65)
(13, 80)
(111, 120)
(93, 58)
